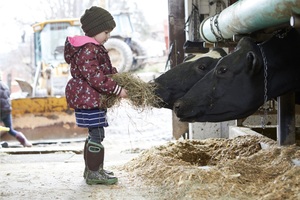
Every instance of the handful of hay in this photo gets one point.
(140, 94)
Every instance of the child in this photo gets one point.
(5, 114)
(90, 67)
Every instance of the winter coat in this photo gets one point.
(90, 66)
(5, 104)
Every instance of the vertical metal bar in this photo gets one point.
(176, 31)
(286, 119)
(176, 40)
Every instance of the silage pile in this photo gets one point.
(220, 169)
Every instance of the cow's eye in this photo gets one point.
(222, 70)
(202, 67)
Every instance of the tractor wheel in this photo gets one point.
(139, 54)
(120, 54)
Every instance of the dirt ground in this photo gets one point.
(206, 169)
(55, 171)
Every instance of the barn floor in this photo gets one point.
(201, 169)
(52, 169)
(59, 176)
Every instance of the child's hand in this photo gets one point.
(123, 93)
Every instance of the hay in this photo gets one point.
(140, 94)
(220, 169)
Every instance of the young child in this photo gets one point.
(90, 66)
(5, 115)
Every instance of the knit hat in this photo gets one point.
(96, 20)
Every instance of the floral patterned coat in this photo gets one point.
(89, 66)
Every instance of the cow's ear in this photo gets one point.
(252, 63)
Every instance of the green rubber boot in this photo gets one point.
(94, 161)
(84, 157)
(85, 167)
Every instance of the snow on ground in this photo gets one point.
(139, 128)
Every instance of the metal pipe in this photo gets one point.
(295, 21)
(247, 16)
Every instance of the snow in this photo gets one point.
(139, 128)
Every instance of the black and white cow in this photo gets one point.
(174, 83)
(235, 88)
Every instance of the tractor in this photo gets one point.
(50, 70)
(41, 107)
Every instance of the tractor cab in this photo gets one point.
(51, 70)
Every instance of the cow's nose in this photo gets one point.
(153, 84)
(177, 106)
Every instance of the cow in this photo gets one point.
(174, 83)
(235, 88)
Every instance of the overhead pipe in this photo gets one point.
(247, 16)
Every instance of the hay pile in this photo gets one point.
(220, 169)
(140, 94)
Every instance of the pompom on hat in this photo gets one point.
(96, 20)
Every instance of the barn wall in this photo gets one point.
(271, 120)
(210, 130)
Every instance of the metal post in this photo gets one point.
(176, 31)
(286, 119)
(176, 42)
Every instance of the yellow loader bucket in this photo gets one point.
(2, 128)
(44, 118)
(36, 105)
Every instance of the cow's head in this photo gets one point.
(229, 91)
(175, 83)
